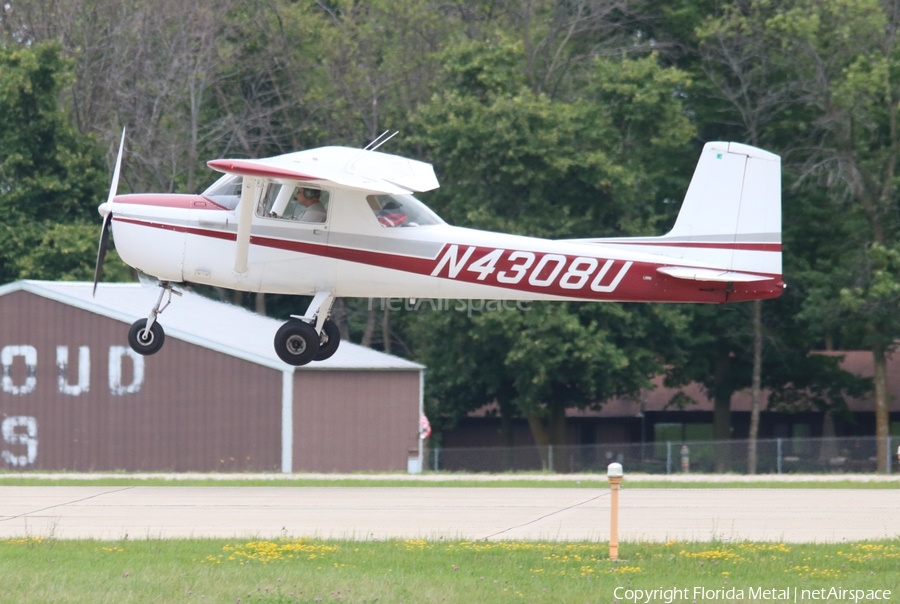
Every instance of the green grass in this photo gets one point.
(307, 570)
(523, 482)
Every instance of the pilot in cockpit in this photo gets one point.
(311, 199)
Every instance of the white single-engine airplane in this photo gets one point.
(337, 221)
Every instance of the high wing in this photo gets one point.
(344, 166)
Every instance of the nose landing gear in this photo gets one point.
(146, 336)
(311, 337)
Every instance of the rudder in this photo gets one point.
(731, 215)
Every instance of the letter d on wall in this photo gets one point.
(116, 354)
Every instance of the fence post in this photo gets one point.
(668, 457)
(437, 454)
(550, 457)
(778, 463)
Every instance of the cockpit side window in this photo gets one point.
(298, 203)
(401, 211)
(226, 191)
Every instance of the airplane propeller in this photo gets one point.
(106, 210)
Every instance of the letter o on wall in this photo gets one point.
(7, 356)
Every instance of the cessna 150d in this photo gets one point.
(337, 221)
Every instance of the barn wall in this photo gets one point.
(193, 409)
(354, 420)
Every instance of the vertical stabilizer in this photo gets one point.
(731, 215)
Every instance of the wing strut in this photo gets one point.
(250, 195)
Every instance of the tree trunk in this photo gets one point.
(339, 316)
(554, 433)
(386, 331)
(722, 431)
(755, 388)
(722, 417)
(540, 439)
(882, 412)
(370, 325)
(506, 436)
(829, 449)
(557, 435)
(260, 303)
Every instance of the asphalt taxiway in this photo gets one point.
(470, 513)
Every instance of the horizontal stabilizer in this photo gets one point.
(706, 274)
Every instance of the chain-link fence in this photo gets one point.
(773, 456)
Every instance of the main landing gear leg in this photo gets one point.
(311, 337)
(146, 336)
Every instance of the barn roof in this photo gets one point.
(218, 326)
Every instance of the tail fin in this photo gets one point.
(730, 218)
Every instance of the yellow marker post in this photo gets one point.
(614, 474)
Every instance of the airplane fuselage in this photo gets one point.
(191, 238)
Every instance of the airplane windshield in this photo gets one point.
(226, 191)
(401, 211)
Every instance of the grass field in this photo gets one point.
(303, 570)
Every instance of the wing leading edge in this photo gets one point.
(344, 166)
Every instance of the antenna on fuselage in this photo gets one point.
(380, 140)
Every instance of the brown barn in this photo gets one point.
(215, 398)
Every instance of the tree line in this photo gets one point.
(549, 118)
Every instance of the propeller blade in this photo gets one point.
(107, 217)
(101, 251)
(114, 186)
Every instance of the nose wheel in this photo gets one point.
(146, 336)
(146, 341)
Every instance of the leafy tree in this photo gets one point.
(846, 60)
(516, 161)
(51, 177)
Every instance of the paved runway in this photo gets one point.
(791, 515)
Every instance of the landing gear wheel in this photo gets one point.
(329, 340)
(296, 343)
(144, 341)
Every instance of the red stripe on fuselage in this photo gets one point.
(639, 283)
(185, 202)
(179, 229)
(753, 247)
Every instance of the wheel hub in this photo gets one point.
(296, 344)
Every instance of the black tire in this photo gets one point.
(329, 340)
(146, 343)
(296, 343)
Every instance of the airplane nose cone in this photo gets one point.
(104, 209)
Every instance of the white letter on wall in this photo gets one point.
(27, 438)
(115, 371)
(6, 358)
(84, 370)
